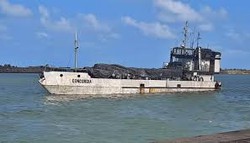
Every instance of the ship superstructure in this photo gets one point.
(194, 62)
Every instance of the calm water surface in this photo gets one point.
(29, 114)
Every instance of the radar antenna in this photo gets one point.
(185, 34)
(198, 39)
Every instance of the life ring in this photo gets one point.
(217, 85)
(201, 79)
(195, 78)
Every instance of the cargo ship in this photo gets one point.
(190, 69)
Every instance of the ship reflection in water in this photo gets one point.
(73, 97)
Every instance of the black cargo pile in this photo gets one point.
(121, 72)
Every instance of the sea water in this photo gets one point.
(29, 114)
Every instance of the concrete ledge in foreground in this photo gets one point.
(241, 136)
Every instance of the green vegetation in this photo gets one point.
(235, 71)
(7, 68)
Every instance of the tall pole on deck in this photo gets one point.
(199, 51)
(76, 48)
(198, 39)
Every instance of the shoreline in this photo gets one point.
(237, 136)
(39, 69)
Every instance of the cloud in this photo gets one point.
(16, 10)
(62, 24)
(150, 29)
(42, 35)
(44, 12)
(206, 27)
(209, 13)
(92, 22)
(83, 22)
(172, 11)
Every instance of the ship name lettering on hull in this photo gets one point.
(81, 81)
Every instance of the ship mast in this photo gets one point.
(185, 33)
(199, 51)
(76, 48)
(198, 39)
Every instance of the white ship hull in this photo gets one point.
(77, 83)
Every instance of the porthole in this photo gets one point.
(61, 75)
(78, 75)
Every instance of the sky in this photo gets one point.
(133, 33)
